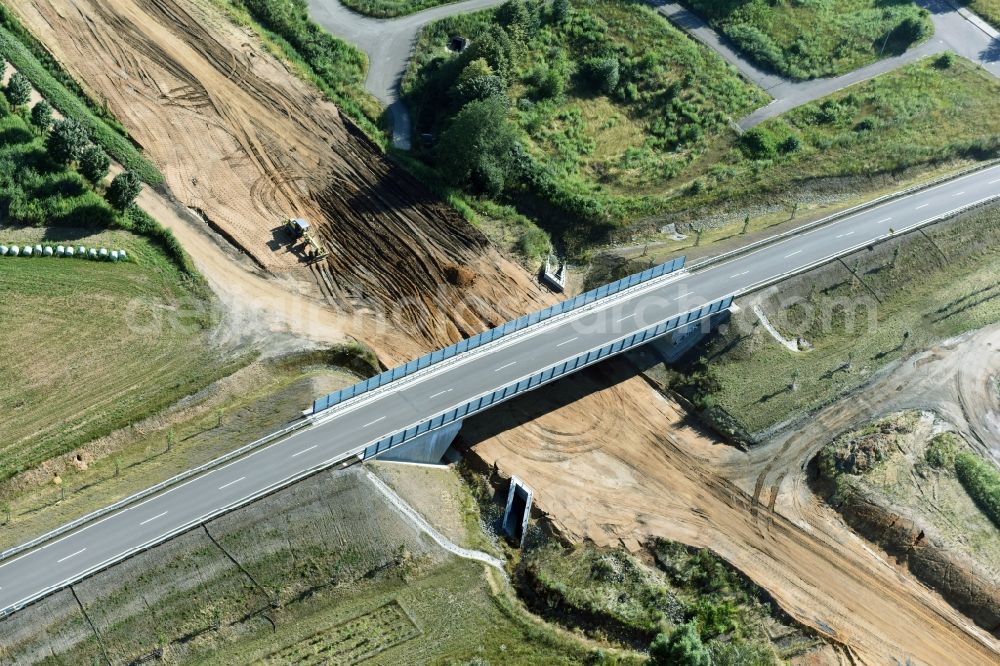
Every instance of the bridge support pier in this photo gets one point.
(427, 448)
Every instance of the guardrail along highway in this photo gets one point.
(342, 432)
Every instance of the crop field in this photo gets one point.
(803, 40)
(857, 316)
(325, 569)
(90, 347)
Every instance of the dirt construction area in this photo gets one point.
(245, 144)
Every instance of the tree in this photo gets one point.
(479, 147)
(683, 648)
(67, 141)
(123, 190)
(520, 20)
(746, 224)
(560, 11)
(18, 89)
(477, 81)
(94, 164)
(41, 115)
(495, 47)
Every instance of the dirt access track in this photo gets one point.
(244, 143)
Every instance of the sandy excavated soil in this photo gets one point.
(246, 144)
(612, 461)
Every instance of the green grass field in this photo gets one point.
(923, 298)
(91, 346)
(809, 39)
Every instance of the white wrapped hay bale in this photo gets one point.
(47, 251)
(69, 251)
(92, 254)
(122, 255)
(82, 251)
(103, 253)
(26, 251)
(14, 251)
(38, 250)
(60, 250)
(3, 250)
(114, 255)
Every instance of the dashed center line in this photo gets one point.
(627, 317)
(149, 520)
(505, 366)
(958, 194)
(295, 455)
(231, 483)
(849, 233)
(71, 555)
(995, 180)
(885, 220)
(373, 422)
(566, 342)
(682, 296)
(793, 254)
(922, 206)
(738, 275)
(442, 392)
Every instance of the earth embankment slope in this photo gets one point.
(246, 144)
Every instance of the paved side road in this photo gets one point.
(338, 435)
(955, 30)
(388, 43)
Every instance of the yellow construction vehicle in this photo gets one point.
(299, 229)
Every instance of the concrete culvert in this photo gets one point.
(47, 251)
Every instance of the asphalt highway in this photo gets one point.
(341, 434)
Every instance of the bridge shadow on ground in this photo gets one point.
(574, 431)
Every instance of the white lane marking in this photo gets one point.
(738, 275)
(72, 555)
(505, 366)
(627, 317)
(442, 392)
(886, 219)
(566, 342)
(373, 422)
(958, 194)
(295, 455)
(149, 520)
(682, 296)
(793, 254)
(849, 233)
(922, 206)
(231, 483)
(997, 180)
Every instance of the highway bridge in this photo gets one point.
(412, 405)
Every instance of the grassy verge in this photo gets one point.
(93, 346)
(987, 9)
(804, 40)
(334, 66)
(391, 8)
(875, 307)
(613, 595)
(982, 481)
(30, 58)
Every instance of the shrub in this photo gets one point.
(560, 11)
(682, 648)
(41, 115)
(945, 60)
(18, 89)
(790, 144)
(982, 481)
(94, 164)
(67, 141)
(603, 73)
(477, 81)
(911, 29)
(549, 84)
(758, 144)
(123, 190)
(942, 450)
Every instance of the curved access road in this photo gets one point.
(339, 434)
(388, 43)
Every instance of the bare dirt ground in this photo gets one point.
(612, 461)
(245, 144)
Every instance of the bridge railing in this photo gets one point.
(545, 376)
(332, 399)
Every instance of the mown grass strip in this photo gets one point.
(982, 481)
